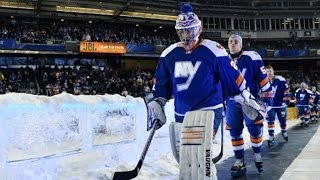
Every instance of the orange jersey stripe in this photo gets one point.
(264, 82)
(258, 121)
(266, 94)
(239, 80)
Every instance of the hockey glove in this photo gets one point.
(248, 99)
(254, 114)
(251, 107)
(155, 107)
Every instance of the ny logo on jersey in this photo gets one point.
(302, 96)
(185, 69)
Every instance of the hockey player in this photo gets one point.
(315, 104)
(303, 101)
(194, 71)
(252, 67)
(281, 99)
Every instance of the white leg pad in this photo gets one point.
(174, 132)
(196, 146)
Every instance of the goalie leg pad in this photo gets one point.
(174, 133)
(196, 146)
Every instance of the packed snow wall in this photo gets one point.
(39, 126)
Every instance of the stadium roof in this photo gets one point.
(157, 11)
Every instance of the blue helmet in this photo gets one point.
(188, 26)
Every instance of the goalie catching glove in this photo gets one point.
(251, 107)
(155, 107)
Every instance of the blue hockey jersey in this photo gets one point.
(316, 98)
(303, 97)
(280, 90)
(196, 78)
(254, 72)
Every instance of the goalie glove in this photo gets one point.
(155, 107)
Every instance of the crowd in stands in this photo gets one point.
(88, 81)
(16, 80)
(311, 78)
(43, 31)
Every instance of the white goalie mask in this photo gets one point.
(188, 27)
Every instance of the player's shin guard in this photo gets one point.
(271, 127)
(302, 123)
(256, 143)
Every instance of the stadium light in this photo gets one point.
(16, 5)
(148, 15)
(85, 10)
(112, 12)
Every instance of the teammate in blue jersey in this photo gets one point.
(281, 99)
(254, 72)
(315, 104)
(194, 71)
(303, 101)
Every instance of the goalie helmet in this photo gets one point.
(188, 27)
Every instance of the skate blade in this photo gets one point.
(285, 138)
(239, 173)
(270, 143)
(260, 170)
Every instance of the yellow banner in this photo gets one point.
(99, 47)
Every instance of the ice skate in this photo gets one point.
(285, 136)
(271, 140)
(239, 168)
(258, 161)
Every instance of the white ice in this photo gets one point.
(85, 138)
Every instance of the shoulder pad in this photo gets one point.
(252, 54)
(309, 91)
(217, 49)
(170, 48)
(280, 78)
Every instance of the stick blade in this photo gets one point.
(126, 174)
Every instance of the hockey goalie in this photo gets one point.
(198, 73)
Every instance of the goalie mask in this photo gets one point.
(188, 27)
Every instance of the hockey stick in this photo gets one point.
(134, 173)
(217, 158)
